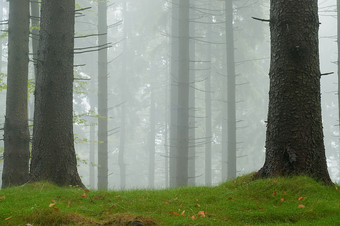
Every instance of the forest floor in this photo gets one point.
(278, 201)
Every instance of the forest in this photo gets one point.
(124, 94)
(169, 112)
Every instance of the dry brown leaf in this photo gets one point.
(86, 190)
(8, 218)
(282, 199)
(118, 197)
(193, 217)
(198, 205)
(51, 205)
(300, 198)
(301, 206)
(2, 197)
(261, 208)
(84, 195)
(274, 193)
(235, 181)
(201, 213)
(173, 213)
(183, 213)
(336, 187)
(55, 208)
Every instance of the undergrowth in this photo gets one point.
(276, 201)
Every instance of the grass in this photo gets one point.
(277, 201)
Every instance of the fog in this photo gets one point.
(139, 81)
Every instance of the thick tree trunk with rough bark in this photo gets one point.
(53, 154)
(294, 139)
(16, 133)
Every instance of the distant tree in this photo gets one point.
(229, 154)
(294, 139)
(102, 98)
(16, 133)
(53, 154)
(183, 94)
(338, 41)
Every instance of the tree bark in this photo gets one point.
(53, 154)
(16, 133)
(338, 41)
(294, 138)
(102, 98)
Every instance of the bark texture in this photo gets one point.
(53, 154)
(294, 139)
(16, 133)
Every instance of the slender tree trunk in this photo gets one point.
(192, 104)
(16, 133)
(173, 94)
(121, 156)
(1, 15)
(231, 103)
(208, 130)
(151, 142)
(183, 95)
(53, 154)
(102, 98)
(92, 155)
(338, 41)
(166, 139)
(294, 139)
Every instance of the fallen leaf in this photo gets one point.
(108, 213)
(285, 193)
(193, 217)
(274, 193)
(336, 187)
(174, 213)
(230, 198)
(282, 199)
(166, 203)
(235, 181)
(300, 198)
(86, 190)
(301, 206)
(68, 203)
(8, 218)
(201, 213)
(181, 205)
(84, 195)
(198, 205)
(55, 208)
(2, 197)
(118, 197)
(51, 205)
(183, 213)
(261, 208)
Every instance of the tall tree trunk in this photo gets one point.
(192, 104)
(53, 154)
(16, 133)
(102, 98)
(151, 142)
(121, 155)
(183, 94)
(92, 159)
(166, 139)
(173, 94)
(338, 41)
(208, 130)
(231, 103)
(294, 139)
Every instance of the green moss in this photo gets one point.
(242, 201)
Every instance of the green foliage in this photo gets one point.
(240, 202)
(4, 35)
(3, 84)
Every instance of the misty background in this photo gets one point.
(140, 40)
